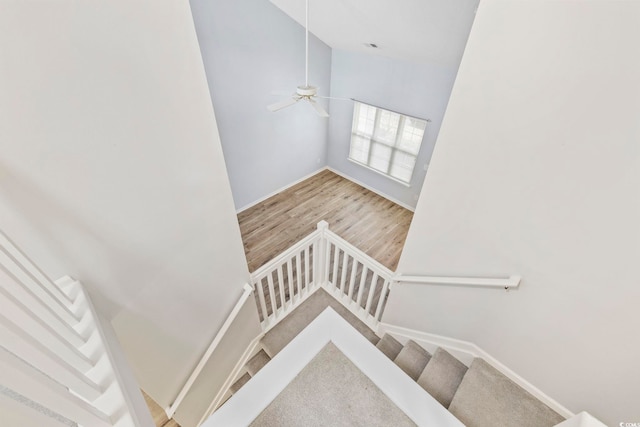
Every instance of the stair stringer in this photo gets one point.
(466, 351)
(239, 369)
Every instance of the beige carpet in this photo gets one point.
(332, 391)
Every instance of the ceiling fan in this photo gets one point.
(304, 92)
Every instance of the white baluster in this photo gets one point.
(343, 276)
(263, 305)
(372, 290)
(290, 279)
(272, 296)
(307, 282)
(283, 298)
(298, 276)
(363, 278)
(336, 258)
(383, 295)
(354, 268)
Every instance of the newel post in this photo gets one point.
(321, 257)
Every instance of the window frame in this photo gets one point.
(372, 140)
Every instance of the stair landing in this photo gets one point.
(278, 337)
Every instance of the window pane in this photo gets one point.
(364, 119)
(387, 127)
(359, 149)
(412, 134)
(380, 157)
(402, 167)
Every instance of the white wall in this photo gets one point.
(250, 48)
(537, 172)
(415, 89)
(112, 172)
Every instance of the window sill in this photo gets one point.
(379, 173)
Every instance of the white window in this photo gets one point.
(385, 141)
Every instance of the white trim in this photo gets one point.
(466, 351)
(584, 419)
(280, 190)
(269, 382)
(368, 187)
(343, 175)
(249, 352)
(171, 410)
(392, 178)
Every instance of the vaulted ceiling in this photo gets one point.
(432, 31)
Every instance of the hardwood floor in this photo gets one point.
(157, 413)
(370, 222)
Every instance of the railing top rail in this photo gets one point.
(511, 282)
(284, 256)
(363, 257)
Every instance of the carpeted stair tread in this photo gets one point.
(238, 384)
(487, 398)
(389, 346)
(442, 376)
(257, 362)
(412, 359)
(278, 337)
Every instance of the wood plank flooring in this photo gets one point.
(157, 413)
(370, 222)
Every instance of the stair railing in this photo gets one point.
(54, 355)
(325, 260)
(321, 260)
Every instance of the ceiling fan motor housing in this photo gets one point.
(307, 91)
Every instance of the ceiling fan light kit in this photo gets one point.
(305, 92)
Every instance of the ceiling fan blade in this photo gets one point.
(332, 97)
(281, 93)
(321, 111)
(282, 104)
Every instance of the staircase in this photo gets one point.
(478, 395)
(323, 270)
(60, 362)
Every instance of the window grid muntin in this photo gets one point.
(394, 147)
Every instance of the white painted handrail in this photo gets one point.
(171, 410)
(511, 282)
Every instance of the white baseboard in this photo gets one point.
(251, 350)
(368, 187)
(280, 190)
(345, 176)
(466, 351)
